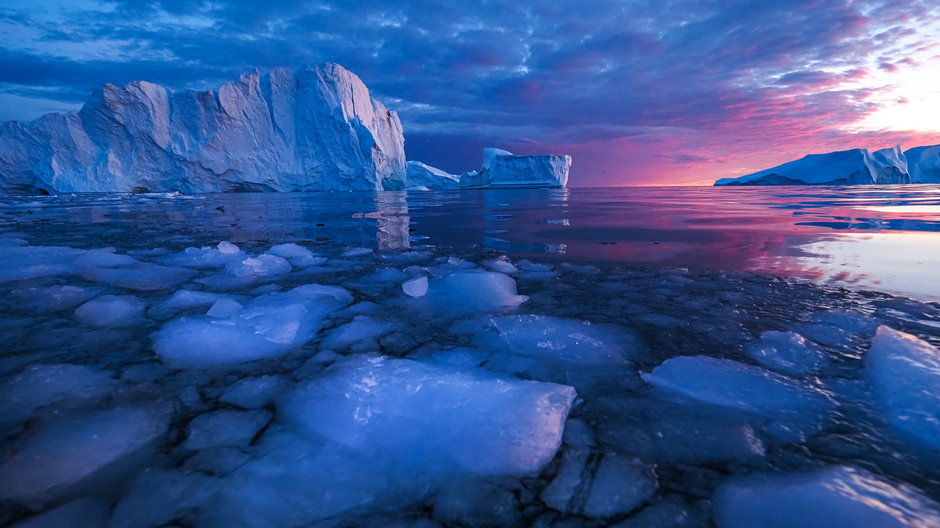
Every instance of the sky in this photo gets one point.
(668, 92)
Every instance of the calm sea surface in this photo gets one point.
(877, 238)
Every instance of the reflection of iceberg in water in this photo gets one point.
(532, 213)
(893, 262)
(393, 220)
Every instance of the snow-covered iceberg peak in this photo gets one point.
(311, 128)
(502, 168)
(847, 167)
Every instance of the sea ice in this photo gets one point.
(206, 257)
(268, 326)
(52, 298)
(363, 330)
(453, 418)
(469, 291)
(734, 385)
(416, 287)
(599, 484)
(476, 502)
(297, 255)
(787, 352)
(40, 385)
(184, 300)
(252, 393)
(158, 497)
(225, 429)
(224, 307)
(79, 513)
(905, 374)
(834, 497)
(140, 276)
(28, 262)
(76, 453)
(110, 311)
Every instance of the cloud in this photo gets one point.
(716, 79)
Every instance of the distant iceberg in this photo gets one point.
(847, 167)
(310, 129)
(503, 169)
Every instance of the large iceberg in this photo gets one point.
(848, 167)
(924, 164)
(503, 169)
(309, 129)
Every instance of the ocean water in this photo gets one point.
(578, 357)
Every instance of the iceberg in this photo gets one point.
(924, 164)
(503, 169)
(315, 128)
(421, 177)
(848, 167)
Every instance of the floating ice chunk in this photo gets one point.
(297, 255)
(104, 258)
(468, 291)
(260, 266)
(225, 429)
(501, 265)
(110, 311)
(355, 252)
(268, 326)
(141, 276)
(52, 298)
(416, 287)
(28, 262)
(247, 271)
(667, 513)
(227, 248)
(565, 340)
(297, 481)
(362, 329)
(184, 300)
(252, 393)
(734, 385)
(599, 485)
(84, 513)
(67, 453)
(476, 502)
(224, 307)
(787, 352)
(466, 419)
(837, 497)
(851, 322)
(40, 385)
(157, 497)
(206, 257)
(905, 374)
(461, 357)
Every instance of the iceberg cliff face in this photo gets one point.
(924, 164)
(310, 129)
(502, 169)
(848, 167)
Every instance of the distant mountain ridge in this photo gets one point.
(851, 167)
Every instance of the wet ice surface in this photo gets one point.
(159, 374)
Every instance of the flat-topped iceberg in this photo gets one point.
(502, 169)
(310, 129)
(848, 167)
(851, 167)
